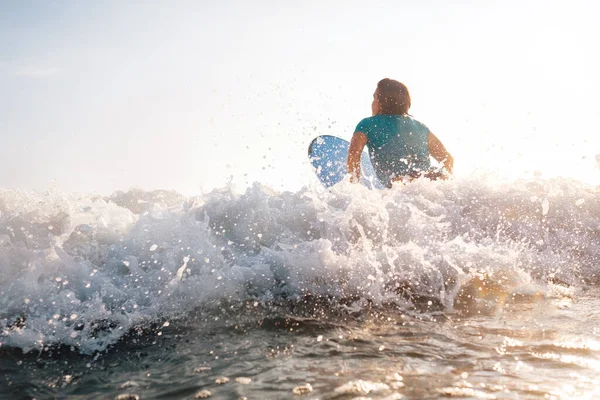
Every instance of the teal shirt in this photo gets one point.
(397, 145)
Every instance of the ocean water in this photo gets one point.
(474, 288)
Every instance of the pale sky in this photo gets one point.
(100, 96)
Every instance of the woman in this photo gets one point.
(399, 145)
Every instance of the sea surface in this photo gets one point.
(474, 288)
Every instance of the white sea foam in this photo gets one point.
(82, 270)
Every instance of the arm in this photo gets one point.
(439, 152)
(357, 144)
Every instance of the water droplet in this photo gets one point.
(243, 380)
(302, 389)
(203, 394)
(545, 206)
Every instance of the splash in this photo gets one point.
(84, 270)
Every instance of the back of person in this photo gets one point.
(397, 146)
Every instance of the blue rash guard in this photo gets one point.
(397, 146)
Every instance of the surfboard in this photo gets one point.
(328, 155)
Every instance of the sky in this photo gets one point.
(189, 95)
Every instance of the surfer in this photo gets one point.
(399, 145)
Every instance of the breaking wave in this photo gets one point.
(83, 270)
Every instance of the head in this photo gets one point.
(390, 98)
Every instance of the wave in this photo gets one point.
(84, 270)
